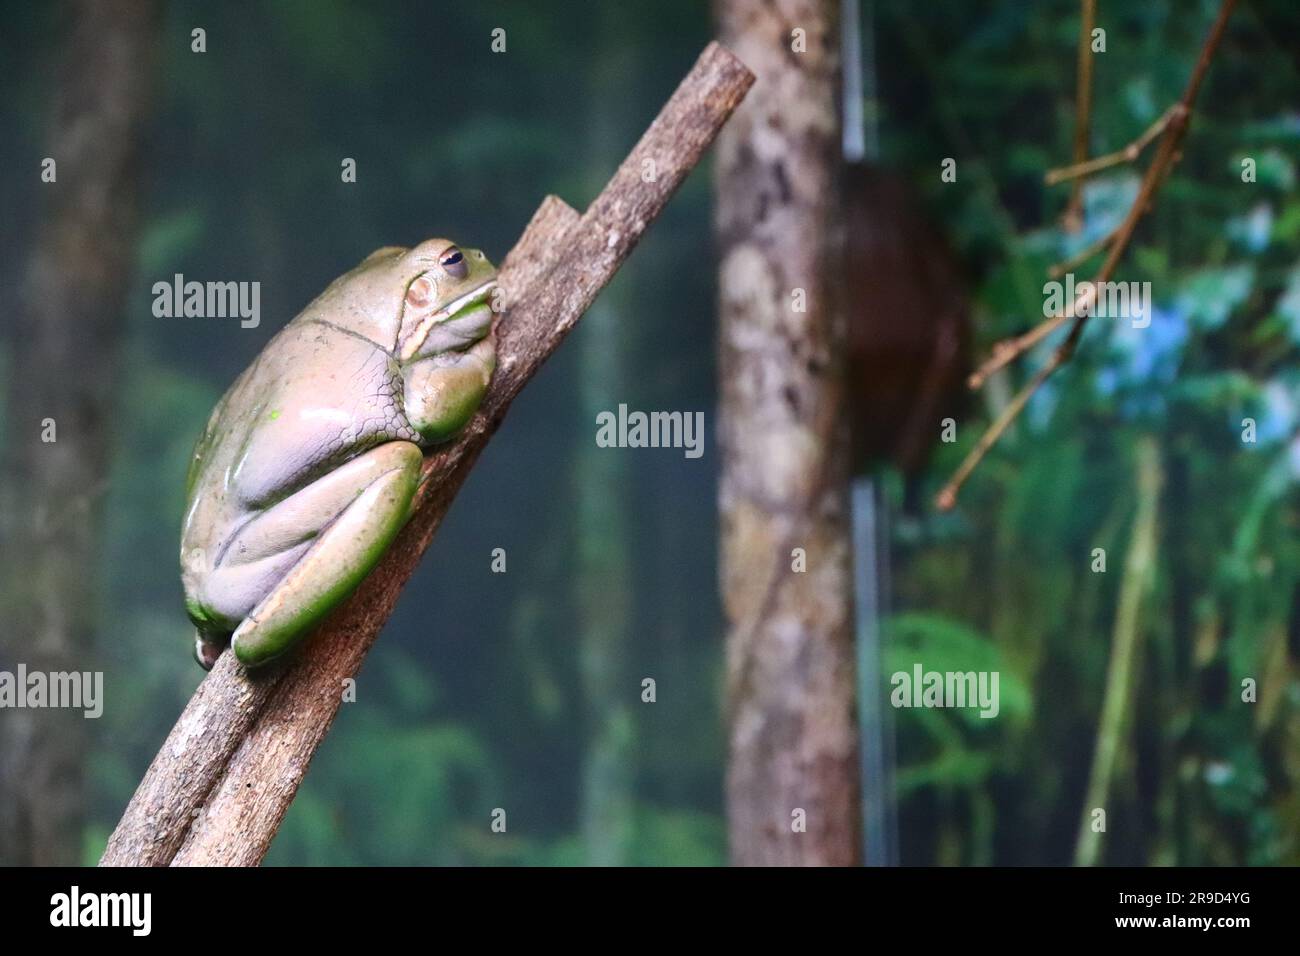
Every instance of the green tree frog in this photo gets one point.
(309, 464)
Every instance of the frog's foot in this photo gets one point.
(443, 391)
(208, 646)
(354, 512)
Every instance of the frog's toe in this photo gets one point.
(208, 647)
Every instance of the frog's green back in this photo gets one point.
(368, 300)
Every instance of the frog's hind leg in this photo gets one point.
(339, 557)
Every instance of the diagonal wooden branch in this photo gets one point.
(223, 780)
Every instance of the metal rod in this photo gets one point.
(875, 723)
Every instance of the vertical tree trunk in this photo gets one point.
(63, 350)
(792, 782)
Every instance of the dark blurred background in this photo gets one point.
(522, 689)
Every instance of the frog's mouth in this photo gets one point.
(466, 307)
(457, 307)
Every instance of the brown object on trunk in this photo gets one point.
(909, 324)
(223, 780)
(792, 780)
(63, 349)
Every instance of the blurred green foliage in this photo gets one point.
(1202, 777)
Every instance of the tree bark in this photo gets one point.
(792, 782)
(194, 807)
(63, 360)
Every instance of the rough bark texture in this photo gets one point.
(790, 671)
(63, 359)
(191, 811)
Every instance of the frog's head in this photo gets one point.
(447, 284)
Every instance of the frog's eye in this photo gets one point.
(453, 263)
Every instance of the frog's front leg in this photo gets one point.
(443, 391)
(350, 517)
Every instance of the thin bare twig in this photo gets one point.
(1072, 220)
(1082, 256)
(1129, 154)
(947, 497)
(1008, 350)
(1174, 126)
